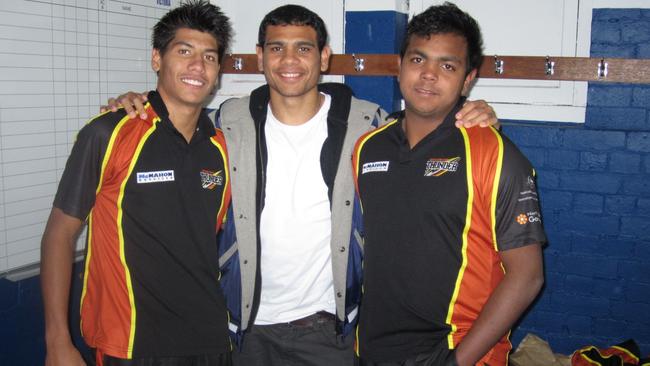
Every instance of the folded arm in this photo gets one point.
(521, 283)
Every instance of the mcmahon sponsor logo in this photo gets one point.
(155, 177)
(375, 166)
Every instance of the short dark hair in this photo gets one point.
(448, 18)
(293, 15)
(198, 15)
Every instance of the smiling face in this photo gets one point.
(291, 61)
(188, 69)
(433, 75)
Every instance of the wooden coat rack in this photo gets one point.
(611, 70)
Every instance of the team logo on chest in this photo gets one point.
(210, 179)
(436, 167)
(375, 166)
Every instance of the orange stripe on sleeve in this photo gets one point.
(120, 228)
(219, 141)
(110, 325)
(481, 270)
(453, 338)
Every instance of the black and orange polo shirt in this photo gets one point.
(435, 218)
(154, 203)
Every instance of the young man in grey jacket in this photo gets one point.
(290, 263)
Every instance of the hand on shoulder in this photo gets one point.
(476, 113)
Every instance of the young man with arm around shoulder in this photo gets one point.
(452, 225)
(154, 193)
(291, 142)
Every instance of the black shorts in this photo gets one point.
(439, 357)
(222, 359)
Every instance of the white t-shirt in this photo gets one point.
(295, 224)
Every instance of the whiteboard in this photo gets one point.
(59, 60)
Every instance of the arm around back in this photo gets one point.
(132, 102)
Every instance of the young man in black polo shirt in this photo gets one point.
(452, 225)
(154, 192)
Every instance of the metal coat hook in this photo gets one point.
(498, 65)
(602, 68)
(238, 63)
(549, 66)
(359, 63)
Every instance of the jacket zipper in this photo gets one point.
(262, 187)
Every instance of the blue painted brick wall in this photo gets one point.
(375, 32)
(21, 333)
(596, 204)
(22, 341)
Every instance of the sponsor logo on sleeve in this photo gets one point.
(210, 179)
(437, 167)
(532, 217)
(375, 166)
(529, 193)
(155, 177)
